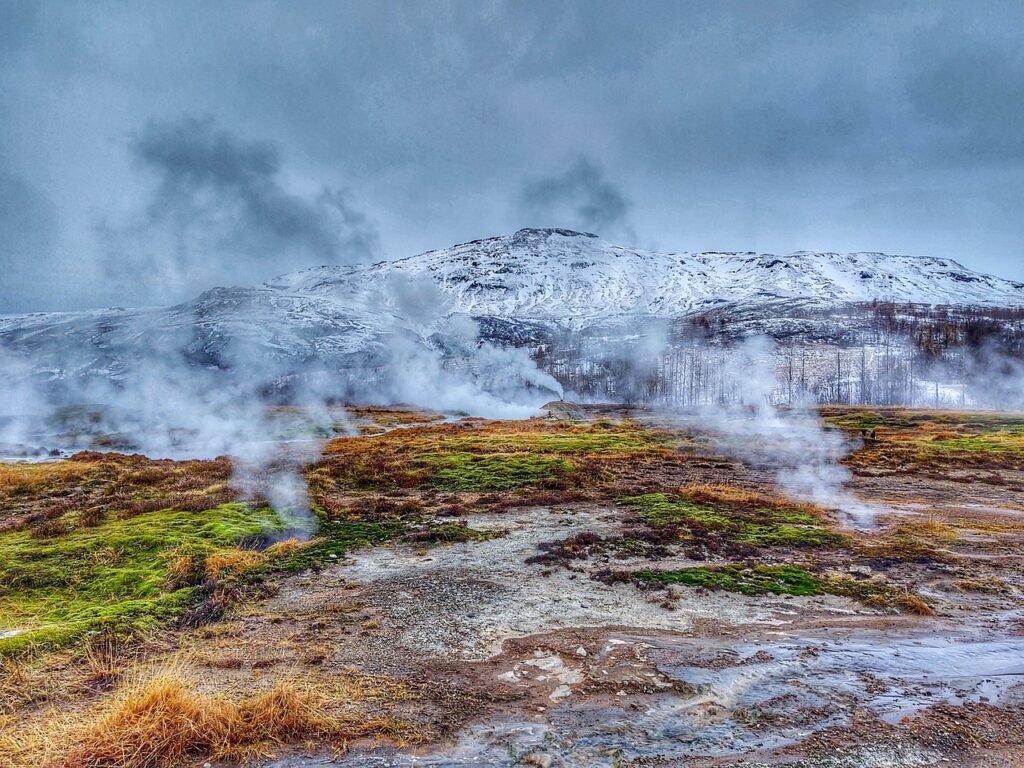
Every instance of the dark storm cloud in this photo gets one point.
(733, 124)
(220, 202)
(580, 198)
(208, 173)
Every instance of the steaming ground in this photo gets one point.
(584, 673)
(481, 585)
(793, 440)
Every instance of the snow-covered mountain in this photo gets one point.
(569, 278)
(521, 288)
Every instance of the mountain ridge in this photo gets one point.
(558, 275)
(956, 285)
(522, 289)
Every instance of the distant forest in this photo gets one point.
(875, 354)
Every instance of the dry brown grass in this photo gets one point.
(219, 662)
(228, 562)
(20, 684)
(166, 721)
(990, 525)
(19, 479)
(930, 528)
(985, 584)
(103, 660)
(89, 487)
(287, 547)
(911, 540)
(905, 543)
(183, 568)
(908, 602)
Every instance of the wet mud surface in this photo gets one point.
(566, 668)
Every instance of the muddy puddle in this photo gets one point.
(737, 701)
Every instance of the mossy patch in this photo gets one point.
(140, 572)
(901, 418)
(596, 439)
(787, 580)
(475, 456)
(926, 439)
(333, 539)
(753, 580)
(756, 525)
(489, 472)
(1004, 440)
(115, 573)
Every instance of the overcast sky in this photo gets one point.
(151, 150)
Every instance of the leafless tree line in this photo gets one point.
(886, 354)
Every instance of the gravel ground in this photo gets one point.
(466, 600)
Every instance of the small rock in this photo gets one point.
(537, 759)
(581, 651)
(560, 692)
(860, 570)
(333, 556)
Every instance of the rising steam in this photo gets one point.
(790, 440)
(183, 392)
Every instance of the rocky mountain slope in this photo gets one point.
(521, 288)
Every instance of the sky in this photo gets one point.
(149, 150)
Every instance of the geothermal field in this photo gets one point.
(511, 384)
(595, 586)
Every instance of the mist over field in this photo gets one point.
(567, 385)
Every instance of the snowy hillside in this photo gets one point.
(568, 278)
(523, 289)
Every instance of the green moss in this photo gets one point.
(483, 457)
(629, 546)
(1006, 440)
(115, 573)
(666, 509)
(786, 580)
(790, 536)
(760, 526)
(905, 418)
(755, 580)
(939, 434)
(333, 539)
(494, 472)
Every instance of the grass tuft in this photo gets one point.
(165, 721)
